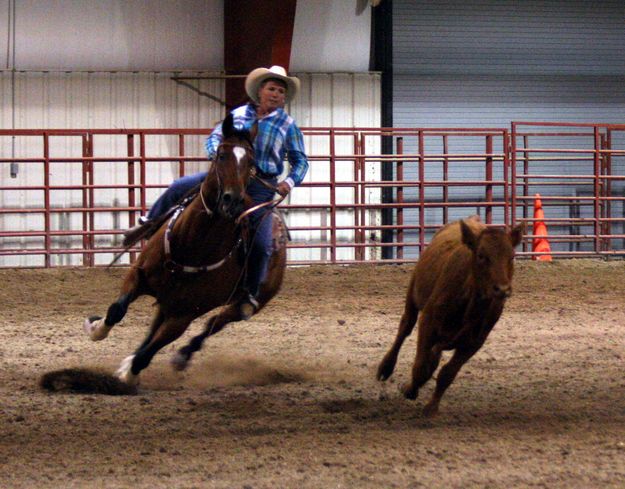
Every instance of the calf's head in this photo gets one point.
(493, 255)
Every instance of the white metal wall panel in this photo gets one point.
(117, 34)
(331, 36)
(97, 101)
(161, 35)
(103, 100)
(333, 100)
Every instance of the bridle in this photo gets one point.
(173, 266)
(249, 149)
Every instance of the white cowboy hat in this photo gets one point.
(256, 77)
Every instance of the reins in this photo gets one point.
(173, 266)
(269, 203)
(206, 208)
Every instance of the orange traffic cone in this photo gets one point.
(540, 244)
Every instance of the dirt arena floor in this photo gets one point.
(289, 399)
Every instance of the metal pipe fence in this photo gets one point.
(579, 172)
(78, 190)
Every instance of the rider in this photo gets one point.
(278, 135)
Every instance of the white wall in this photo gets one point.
(116, 34)
(331, 35)
(160, 35)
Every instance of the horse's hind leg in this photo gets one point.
(97, 327)
(216, 323)
(163, 331)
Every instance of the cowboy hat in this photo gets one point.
(254, 80)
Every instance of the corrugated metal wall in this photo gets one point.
(106, 35)
(334, 100)
(486, 63)
(151, 100)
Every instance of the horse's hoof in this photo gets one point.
(179, 361)
(124, 372)
(96, 328)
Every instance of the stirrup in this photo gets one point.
(248, 307)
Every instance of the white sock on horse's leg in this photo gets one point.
(97, 329)
(124, 372)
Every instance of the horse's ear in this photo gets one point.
(227, 126)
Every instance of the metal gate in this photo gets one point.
(77, 190)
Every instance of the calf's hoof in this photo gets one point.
(385, 370)
(409, 392)
(430, 409)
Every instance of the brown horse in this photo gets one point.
(196, 262)
(459, 285)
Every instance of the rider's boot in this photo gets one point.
(142, 221)
(248, 306)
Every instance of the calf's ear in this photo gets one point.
(516, 234)
(468, 236)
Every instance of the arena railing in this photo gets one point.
(579, 172)
(372, 194)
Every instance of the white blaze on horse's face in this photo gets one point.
(239, 153)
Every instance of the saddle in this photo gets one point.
(280, 232)
(145, 231)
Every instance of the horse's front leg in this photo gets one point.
(164, 330)
(216, 323)
(98, 327)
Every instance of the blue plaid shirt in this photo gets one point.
(277, 136)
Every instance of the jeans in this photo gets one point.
(260, 222)
(174, 193)
(261, 245)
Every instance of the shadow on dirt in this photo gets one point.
(85, 381)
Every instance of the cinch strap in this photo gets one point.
(172, 266)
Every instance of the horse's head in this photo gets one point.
(232, 168)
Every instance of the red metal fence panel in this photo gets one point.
(71, 208)
(579, 172)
